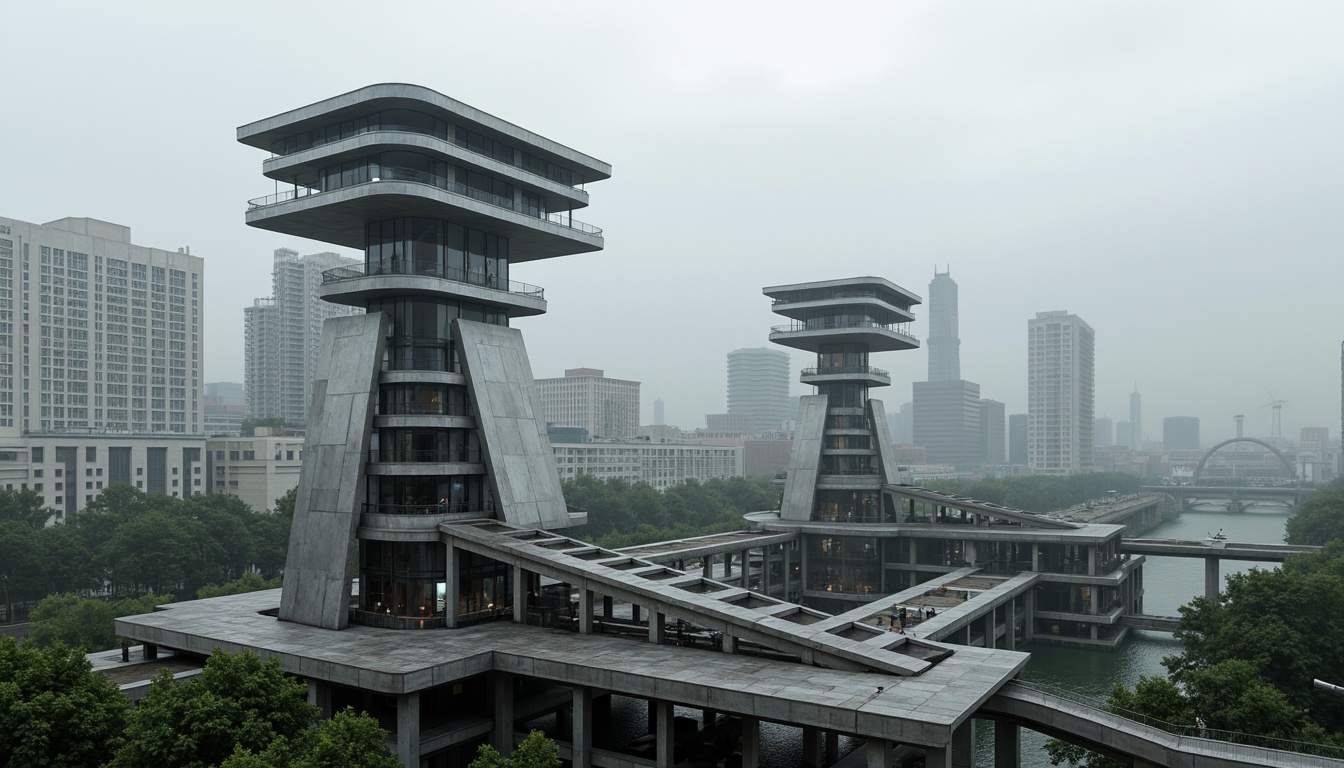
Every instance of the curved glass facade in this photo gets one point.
(402, 580)
(437, 248)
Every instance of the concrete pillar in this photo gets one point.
(963, 745)
(914, 553)
(608, 606)
(707, 567)
(729, 643)
(1028, 616)
(938, 757)
(502, 736)
(751, 742)
(1212, 581)
(586, 611)
(451, 594)
(878, 753)
(708, 716)
(1092, 561)
(809, 758)
(634, 612)
(745, 558)
(319, 695)
(787, 568)
(765, 570)
(1007, 745)
(408, 728)
(832, 753)
(727, 565)
(1010, 625)
(666, 739)
(519, 595)
(149, 651)
(968, 552)
(582, 737)
(990, 628)
(1035, 557)
(657, 632)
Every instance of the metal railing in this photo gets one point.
(1231, 739)
(454, 274)
(451, 508)
(430, 456)
(393, 621)
(830, 325)
(837, 370)
(440, 182)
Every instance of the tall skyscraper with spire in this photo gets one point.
(1135, 419)
(947, 408)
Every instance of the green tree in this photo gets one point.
(54, 709)
(248, 582)
(20, 564)
(24, 507)
(84, 623)
(1319, 518)
(236, 701)
(346, 740)
(536, 751)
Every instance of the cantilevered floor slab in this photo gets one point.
(921, 710)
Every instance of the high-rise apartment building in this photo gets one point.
(585, 397)
(946, 407)
(1135, 420)
(659, 416)
(1017, 439)
(992, 432)
(1060, 371)
(1122, 434)
(282, 335)
(758, 387)
(100, 362)
(1102, 432)
(1180, 433)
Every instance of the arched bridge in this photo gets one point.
(1288, 468)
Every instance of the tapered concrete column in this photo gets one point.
(963, 745)
(519, 595)
(586, 611)
(319, 695)
(657, 633)
(666, 738)
(1212, 582)
(1007, 745)
(810, 748)
(582, 738)
(878, 753)
(451, 595)
(832, 753)
(408, 728)
(751, 742)
(502, 736)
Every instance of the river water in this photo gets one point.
(1169, 582)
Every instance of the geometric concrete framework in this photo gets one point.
(842, 453)
(514, 445)
(331, 482)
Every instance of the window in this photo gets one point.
(38, 454)
(37, 473)
(91, 454)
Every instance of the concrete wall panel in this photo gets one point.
(805, 461)
(886, 453)
(331, 484)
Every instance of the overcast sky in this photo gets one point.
(1170, 172)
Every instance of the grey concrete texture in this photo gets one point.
(886, 453)
(318, 571)
(800, 486)
(509, 420)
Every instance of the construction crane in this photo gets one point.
(1276, 419)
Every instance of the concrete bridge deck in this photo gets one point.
(1215, 548)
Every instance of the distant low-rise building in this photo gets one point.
(258, 469)
(661, 465)
(586, 397)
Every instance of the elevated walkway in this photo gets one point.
(1215, 548)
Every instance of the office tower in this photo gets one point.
(1180, 433)
(225, 408)
(444, 200)
(1314, 443)
(100, 371)
(758, 387)
(1135, 420)
(1122, 434)
(842, 454)
(1060, 364)
(585, 397)
(905, 434)
(1017, 439)
(658, 417)
(944, 341)
(282, 335)
(1102, 436)
(991, 432)
(946, 407)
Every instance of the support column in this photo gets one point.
(608, 606)
(728, 643)
(519, 595)
(1035, 557)
(586, 611)
(832, 753)
(745, 557)
(878, 753)
(751, 742)
(707, 567)
(963, 745)
(1212, 581)
(451, 595)
(938, 757)
(788, 568)
(1007, 745)
(666, 738)
(408, 728)
(1010, 628)
(809, 759)
(634, 612)
(581, 739)
(149, 651)
(319, 695)
(502, 736)
(657, 632)
(1092, 561)
(989, 629)
(727, 565)
(914, 554)
(765, 570)
(1028, 616)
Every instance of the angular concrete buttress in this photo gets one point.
(886, 453)
(507, 406)
(800, 487)
(320, 564)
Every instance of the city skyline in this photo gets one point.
(1086, 162)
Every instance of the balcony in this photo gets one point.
(810, 335)
(341, 274)
(358, 284)
(863, 373)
